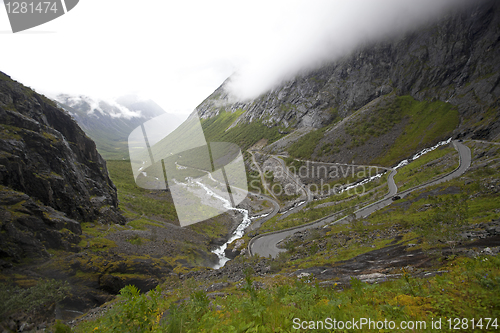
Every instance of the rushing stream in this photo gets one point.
(422, 152)
(246, 221)
(238, 233)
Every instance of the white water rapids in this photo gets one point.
(400, 164)
(246, 221)
(422, 152)
(238, 233)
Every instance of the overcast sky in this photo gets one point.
(178, 52)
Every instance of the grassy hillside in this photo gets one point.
(155, 206)
(109, 148)
(288, 304)
(431, 165)
(382, 133)
(427, 123)
(304, 147)
(427, 278)
(245, 135)
(138, 201)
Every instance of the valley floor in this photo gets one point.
(413, 270)
(405, 255)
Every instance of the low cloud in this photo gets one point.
(308, 35)
(107, 107)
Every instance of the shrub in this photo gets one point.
(46, 292)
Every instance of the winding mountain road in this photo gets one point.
(298, 184)
(276, 208)
(261, 173)
(266, 244)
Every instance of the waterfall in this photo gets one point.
(238, 233)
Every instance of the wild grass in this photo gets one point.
(427, 167)
(137, 200)
(143, 224)
(245, 135)
(435, 215)
(470, 289)
(467, 288)
(311, 213)
(372, 126)
(44, 293)
(304, 147)
(428, 122)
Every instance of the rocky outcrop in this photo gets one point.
(51, 176)
(454, 60)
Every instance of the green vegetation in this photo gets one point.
(148, 209)
(470, 289)
(436, 219)
(311, 212)
(427, 123)
(136, 240)
(450, 214)
(431, 218)
(8, 132)
(288, 107)
(374, 125)
(490, 116)
(60, 327)
(42, 295)
(138, 201)
(426, 167)
(214, 228)
(278, 191)
(96, 244)
(293, 163)
(216, 129)
(4, 77)
(116, 150)
(328, 149)
(304, 147)
(143, 224)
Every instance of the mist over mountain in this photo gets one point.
(313, 34)
(109, 122)
(453, 61)
(372, 102)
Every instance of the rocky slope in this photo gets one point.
(52, 178)
(59, 217)
(454, 61)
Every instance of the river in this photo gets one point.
(246, 221)
(237, 233)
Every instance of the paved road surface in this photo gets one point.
(257, 223)
(265, 244)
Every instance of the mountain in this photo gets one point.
(64, 242)
(109, 123)
(376, 105)
(51, 176)
(444, 77)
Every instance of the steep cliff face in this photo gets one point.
(454, 60)
(51, 176)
